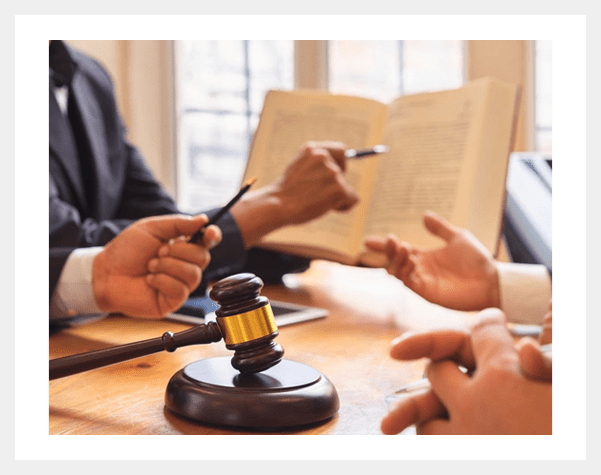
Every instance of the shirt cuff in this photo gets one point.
(74, 293)
(525, 292)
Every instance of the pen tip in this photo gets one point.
(251, 181)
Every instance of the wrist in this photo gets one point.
(259, 213)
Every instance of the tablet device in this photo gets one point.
(202, 309)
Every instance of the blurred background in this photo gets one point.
(192, 106)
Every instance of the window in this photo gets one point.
(221, 86)
(384, 70)
(542, 96)
(220, 91)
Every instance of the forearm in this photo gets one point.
(257, 214)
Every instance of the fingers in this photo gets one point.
(375, 243)
(312, 185)
(439, 226)
(491, 341)
(487, 346)
(189, 274)
(172, 293)
(184, 261)
(335, 149)
(493, 347)
(434, 427)
(398, 253)
(533, 363)
(174, 225)
(437, 345)
(345, 196)
(448, 382)
(181, 249)
(330, 155)
(212, 236)
(410, 410)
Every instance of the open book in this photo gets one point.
(448, 152)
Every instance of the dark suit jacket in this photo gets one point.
(126, 188)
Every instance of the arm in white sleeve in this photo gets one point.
(74, 293)
(525, 292)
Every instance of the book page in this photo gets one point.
(435, 148)
(486, 205)
(289, 120)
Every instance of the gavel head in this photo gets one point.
(246, 321)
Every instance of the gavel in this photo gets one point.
(244, 321)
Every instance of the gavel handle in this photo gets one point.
(68, 365)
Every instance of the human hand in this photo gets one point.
(312, 184)
(497, 398)
(534, 363)
(462, 275)
(149, 269)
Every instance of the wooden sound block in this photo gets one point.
(288, 394)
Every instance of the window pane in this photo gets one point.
(365, 68)
(383, 70)
(221, 86)
(212, 75)
(432, 65)
(271, 67)
(211, 167)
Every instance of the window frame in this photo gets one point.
(155, 131)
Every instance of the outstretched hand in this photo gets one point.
(461, 275)
(149, 269)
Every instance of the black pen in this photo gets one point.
(199, 235)
(355, 153)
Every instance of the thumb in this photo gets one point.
(491, 340)
(336, 150)
(174, 225)
(439, 226)
(533, 362)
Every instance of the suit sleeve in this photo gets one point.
(68, 232)
(138, 195)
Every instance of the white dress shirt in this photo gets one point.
(525, 292)
(74, 293)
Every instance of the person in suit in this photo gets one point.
(99, 184)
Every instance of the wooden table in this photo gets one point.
(367, 309)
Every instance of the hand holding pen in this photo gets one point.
(199, 235)
(509, 391)
(349, 154)
(424, 383)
